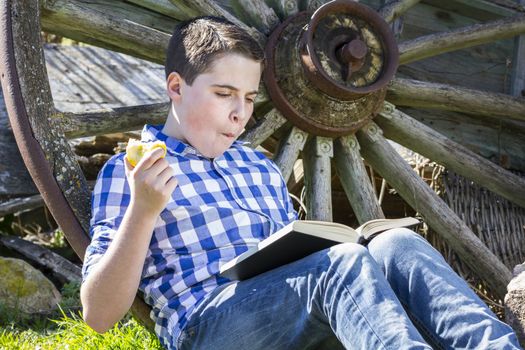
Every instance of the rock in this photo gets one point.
(515, 304)
(26, 289)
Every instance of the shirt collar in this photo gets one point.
(174, 146)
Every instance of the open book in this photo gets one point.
(302, 238)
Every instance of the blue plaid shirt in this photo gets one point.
(219, 209)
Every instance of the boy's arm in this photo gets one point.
(108, 291)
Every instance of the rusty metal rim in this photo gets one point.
(314, 68)
(280, 101)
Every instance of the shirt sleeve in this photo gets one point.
(110, 198)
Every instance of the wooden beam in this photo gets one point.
(111, 120)
(394, 9)
(422, 139)
(415, 93)
(436, 44)
(355, 180)
(264, 128)
(318, 179)
(289, 151)
(92, 21)
(394, 169)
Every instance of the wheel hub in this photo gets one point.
(327, 71)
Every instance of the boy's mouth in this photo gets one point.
(229, 135)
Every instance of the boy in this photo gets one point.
(167, 224)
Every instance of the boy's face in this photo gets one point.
(212, 112)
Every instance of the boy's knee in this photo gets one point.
(392, 242)
(347, 253)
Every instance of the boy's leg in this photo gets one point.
(339, 291)
(440, 303)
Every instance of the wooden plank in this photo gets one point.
(415, 93)
(104, 25)
(289, 150)
(355, 180)
(387, 162)
(517, 79)
(14, 178)
(318, 179)
(111, 120)
(414, 135)
(435, 44)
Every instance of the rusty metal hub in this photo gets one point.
(327, 71)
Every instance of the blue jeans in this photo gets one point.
(339, 298)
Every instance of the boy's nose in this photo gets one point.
(239, 113)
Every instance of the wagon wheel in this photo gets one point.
(342, 62)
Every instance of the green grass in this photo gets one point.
(65, 329)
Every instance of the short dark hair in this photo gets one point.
(196, 43)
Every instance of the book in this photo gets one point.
(300, 239)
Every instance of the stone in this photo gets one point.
(26, 289)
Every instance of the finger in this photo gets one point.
(149, 159)
(127, 166)
(171, 184)
(165, 175)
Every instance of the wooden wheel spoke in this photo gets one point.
(258, 13)
(74, 19)
(318, 178)
(111, 120)
(420, 138)
(414, 93)
(435, 44)
(264, 128)
(210, 7)
(355, 180)
(392, 167)
(289, 151)
(395, 9)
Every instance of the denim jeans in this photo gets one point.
(398, 293)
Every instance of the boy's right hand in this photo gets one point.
(151, 182)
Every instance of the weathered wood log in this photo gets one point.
(21, 204)
(284, 8)
(98, 25)
(394, 9)
(389, 164)
(435, 44)
(317, 154)
(178, 10)
(111, 120)
(414, 93)
(355, 180)
(62, 268)
(422, 139)
(289, 151)
(264, 128)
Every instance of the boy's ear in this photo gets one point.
(174, 83)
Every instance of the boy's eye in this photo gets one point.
(222, 94)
